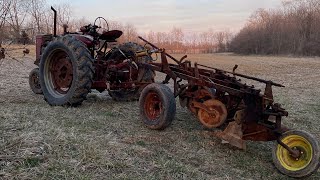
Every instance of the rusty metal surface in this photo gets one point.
(153, 106)
(61, 73)
(233, 135)
(212, 113)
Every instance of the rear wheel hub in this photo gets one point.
(61, 73)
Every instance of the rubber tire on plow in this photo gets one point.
(297, 167)
(34, 81)
(145, 75)
(157, 106)
(66, 72)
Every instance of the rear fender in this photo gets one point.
(86, 39)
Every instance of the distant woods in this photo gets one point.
(175, 41)
(292, 29)
(22, 20)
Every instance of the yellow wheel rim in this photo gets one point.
(299, 143)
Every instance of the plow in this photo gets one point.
(72, 64)
(236, 111)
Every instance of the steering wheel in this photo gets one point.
(101, 24)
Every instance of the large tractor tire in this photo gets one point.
(145, 75)
(34, 81)
(66, 72)
(308, 160)
(157, 106)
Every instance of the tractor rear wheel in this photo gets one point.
(66, 72)
(309, 153)
(144, 75)
(157, 106)
(34, 81)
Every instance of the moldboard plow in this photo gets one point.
(220, 100)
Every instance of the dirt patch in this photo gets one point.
(105, 139)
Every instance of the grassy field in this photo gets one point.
(103, 139)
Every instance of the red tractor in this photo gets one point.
(72, 64)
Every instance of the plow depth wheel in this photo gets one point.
(215, 114)
(34, 81)
(309, 154)
(157, 106)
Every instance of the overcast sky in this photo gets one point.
(162, 15)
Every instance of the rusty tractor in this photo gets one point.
(72, 64)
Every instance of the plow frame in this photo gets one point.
(251, 112)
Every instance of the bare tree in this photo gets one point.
(176, 40)
(64, 15)
(37, 13)
(17, 16)
(151, 36)
(5, 6)
(129, 33)
(292, 29)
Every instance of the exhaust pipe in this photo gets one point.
(54, 22)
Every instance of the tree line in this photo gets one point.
(292, 29)
(22, 20)
(176, 41)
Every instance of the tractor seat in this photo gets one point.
(111, 36)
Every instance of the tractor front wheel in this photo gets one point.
(157, 106)
(308, 149)
(34, 81)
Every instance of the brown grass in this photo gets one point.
(104, 139)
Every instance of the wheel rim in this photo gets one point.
(217, 115)
(35, 80)
(209, 119)
(58, 73)
(153, 106)
(296, 143)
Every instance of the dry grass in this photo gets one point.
(104, 139)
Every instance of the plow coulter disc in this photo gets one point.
(214, 115)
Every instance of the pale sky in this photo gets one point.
(162, 15)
